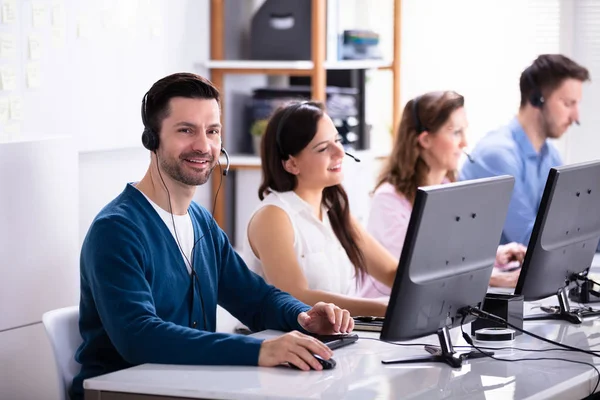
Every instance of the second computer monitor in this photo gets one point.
(565, 234)
(447, 258)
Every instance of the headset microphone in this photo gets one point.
(226, 170)
(577, 122)
(471, 160)
(353, 157)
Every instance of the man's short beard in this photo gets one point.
(175, 171)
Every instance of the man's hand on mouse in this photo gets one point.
(326, 319)
(295, 348)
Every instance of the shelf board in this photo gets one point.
(256, 64)
(250, 161)
(242, 161)
(299, 66)
(358, 64)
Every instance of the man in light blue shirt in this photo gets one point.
(551, 90)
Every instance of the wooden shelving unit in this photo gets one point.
(315, 68)
(303, 68)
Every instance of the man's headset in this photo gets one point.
(151, 141)
(536, 99)
(287, 113)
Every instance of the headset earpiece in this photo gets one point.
(415, 111)
(536, 99)
(149, 137)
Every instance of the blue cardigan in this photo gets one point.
(135, 304)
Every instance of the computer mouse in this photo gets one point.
(326, 364)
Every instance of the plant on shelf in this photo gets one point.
(257, 130)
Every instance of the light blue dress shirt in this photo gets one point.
(508, 151)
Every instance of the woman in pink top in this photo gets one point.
(426, 151)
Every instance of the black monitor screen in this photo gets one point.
(448, 256)
(566, 231)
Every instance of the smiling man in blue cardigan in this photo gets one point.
(154, 264)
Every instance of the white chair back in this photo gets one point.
(62, 327)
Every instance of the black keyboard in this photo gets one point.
(337, 341)
(366, 323)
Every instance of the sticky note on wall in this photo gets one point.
(9, 11)
(8, 46)
(39, 14)
(4, 110)
(12, 130)
(58, 36)
(33, 77)
(16, 108)
(84, 30)
(35, 47)
(8, 78)
(58, 14)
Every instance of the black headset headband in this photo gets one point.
(415, 111)
(286, 114)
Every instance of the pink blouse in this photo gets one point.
(388, 221)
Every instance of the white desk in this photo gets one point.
(360, 375)
(596, 261)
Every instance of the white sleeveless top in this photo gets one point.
(320, 254)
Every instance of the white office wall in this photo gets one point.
(159, 37)
(27, 369)
(38, 258)
(38, 240)
(81, 67)
(90, 85)
(582, 42)
(477, 48)
(90, 66)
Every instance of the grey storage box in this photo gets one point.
(280, 30)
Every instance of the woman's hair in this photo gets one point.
(405, 168)
(289, 131)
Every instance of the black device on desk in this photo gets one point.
(446, 262)
(326, 364)
(368, 323)
(336, 341)
(564, 240)
(585, 293)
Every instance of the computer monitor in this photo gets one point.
(446, 262)
(564, 237)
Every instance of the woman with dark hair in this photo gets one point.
(427, 149)
(302, 238)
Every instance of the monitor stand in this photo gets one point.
(444, 353)
(563, 313)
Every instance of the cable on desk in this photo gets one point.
(396, 343)
(469, 340)
(486, 315)
(468, 347)
(513, 348)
